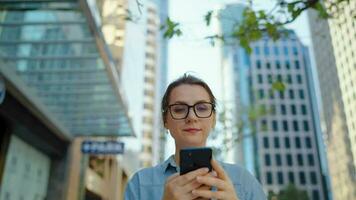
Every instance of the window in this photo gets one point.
(261, 93)
(316, 195)
(291, 94)
(301, 94)
(278, 160)
(313, 179)
(268, 65)
(269, 178)
(302, 178)
(276, 142)
(260, 78)
(257, 50)
(258, 64)
(283, 109)
(266, 49)
(287, 64)
(271, 93)
(280, 178)
(289, 160)
(273, 109)
(297, 142)
(275, 125)
(287, 142)
(281, 94)
(285, 50)
(293, 109)
(264, 126)
(306, 125)
(304, 109)
(278, 64)
(276, 50)
(291, 177)
(270, 79)
(289, 79)
(279, 77)
(300, 159)
(267, 160)
(308, 142)
(295, 50)
(295, 125)
(296, 63)
(310, 160)
(285, 125)
(299, 79)
(265, 142)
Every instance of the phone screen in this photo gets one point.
(195, 158)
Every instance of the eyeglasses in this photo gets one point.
(181, 111)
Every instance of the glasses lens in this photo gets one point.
(203, 109)
(179, 111)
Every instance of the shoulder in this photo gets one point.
(149, 175)
(237, 174)
(246, 185)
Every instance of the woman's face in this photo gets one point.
(191, 131)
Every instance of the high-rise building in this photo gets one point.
(281, 146)
(61, 87)
(334, 45)
(133, 33)
(150, 141)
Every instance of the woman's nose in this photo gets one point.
(191, 114)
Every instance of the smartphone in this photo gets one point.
(194, 158)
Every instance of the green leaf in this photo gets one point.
(262, 14)
(272, 31)
(279, 86)
(207, 17)
(321, 10)
(171, 29)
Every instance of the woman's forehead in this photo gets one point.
(189, 94)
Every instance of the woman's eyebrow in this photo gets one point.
(183, 102)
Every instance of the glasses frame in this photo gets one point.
(191, 106)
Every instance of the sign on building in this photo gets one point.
(102, 147)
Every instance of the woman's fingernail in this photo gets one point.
(214, 173)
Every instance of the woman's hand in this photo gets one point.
(225, 188)
(181, 187)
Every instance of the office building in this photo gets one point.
(282, 145)
(334, 48)
(61, 87)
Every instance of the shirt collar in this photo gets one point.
(170, 163)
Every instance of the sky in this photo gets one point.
(192, 53)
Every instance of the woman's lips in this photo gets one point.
(192, 130)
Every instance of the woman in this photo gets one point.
(188, 112)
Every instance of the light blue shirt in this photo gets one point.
(148, 183)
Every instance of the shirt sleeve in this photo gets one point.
(257, 193)
(132, 191)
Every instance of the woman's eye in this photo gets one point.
(202, 107)
(179, 109)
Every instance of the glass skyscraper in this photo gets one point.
(61, 83)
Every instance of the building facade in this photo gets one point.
(286, 143)
(61, 85)
(281, 145)
(151, 73)
(335, 49)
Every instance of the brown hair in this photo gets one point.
(185, 79)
